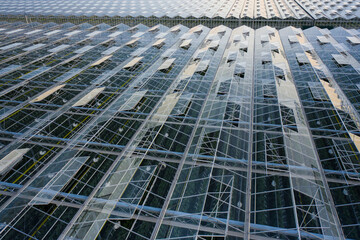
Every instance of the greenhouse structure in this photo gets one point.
(123, 121)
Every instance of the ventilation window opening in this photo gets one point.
(281, 77)
(159, 43)
(55, 96)
(325, 79)
(138, 105)
(302, 59)
(214, 48)
(133, 43)
(214, 45)
(90, 97)
(224, 87)
(279, 73)
(133, 29)
(134, 102)
(353, 40)
(198, 30)
(110, 50)
(317, 91)
(85, 42)
(167, 65)
(62, 42)
(243, 50)
(236, 39)
(265, 62)
(246, 34)
(240, 70)
(97, 101)
(231, 57)
(209, 143)
(103, 65)
(108, 43)
(340, 60)
(276, 50)
(134, 64)
(266, 58)
(288, 117)
(138, 86)
(202, 67)
(293, 39)
(154, 29)
(113, 29)
(186, 44)
(275, 151)
(11, 159)
(269, 90)
(221, 33)
(323, 40)
(339, 65)
(175, 29)
(181, 85)
(183, 105)
(233, 113)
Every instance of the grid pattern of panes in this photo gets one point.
(183, 8)
(173, 133)
(266, 9)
